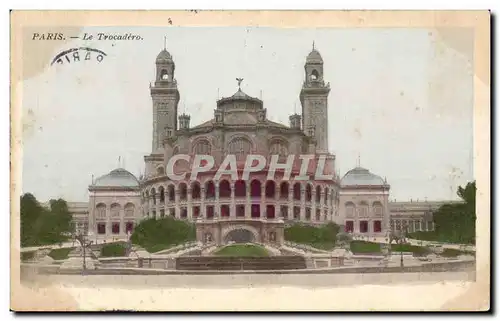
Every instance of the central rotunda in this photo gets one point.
(226, 209)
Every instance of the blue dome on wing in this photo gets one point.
(361, 177)
(117, 178)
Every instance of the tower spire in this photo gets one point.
(165, 42)
(313, 46)
(358, 164)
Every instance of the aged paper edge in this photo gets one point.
(475, 297)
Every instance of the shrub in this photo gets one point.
(323, 237)
(113, 250)
(157, 234)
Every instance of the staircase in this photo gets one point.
(240, 263)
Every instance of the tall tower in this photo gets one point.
(314, 100)
(165, 97)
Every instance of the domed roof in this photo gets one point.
(163, 56)
(117, 178)
(240, 94)
(361, 177)
(314, 57)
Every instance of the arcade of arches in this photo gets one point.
(299, 200)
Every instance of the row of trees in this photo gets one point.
(41, 225)
(455, 222)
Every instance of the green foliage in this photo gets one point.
(157, 234)
(26, 256)
(454, 223)
(416, 250)
(365, 247)
(60, 254)
(42, 226)
(113, 250)
(323, 237)
(248, 250)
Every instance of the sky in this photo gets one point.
(401, 102)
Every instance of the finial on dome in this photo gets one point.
(239, 80)
(359, 160)
(313, 46)
(165, 42)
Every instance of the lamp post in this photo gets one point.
(401, 241)
(83, 239)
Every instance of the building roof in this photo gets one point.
(359, 176)
(117, 178)
(163, 56)
(240, 118)
(314, 57)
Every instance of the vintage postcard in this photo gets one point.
(250, 160)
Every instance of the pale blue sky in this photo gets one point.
(398, 98)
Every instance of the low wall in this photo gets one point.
(426, 267)
(240, 263)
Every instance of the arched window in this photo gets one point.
(240, 147)
(153, 196)
(195, 191)
(129, 210)
(308, 192)
(240, 189)
(349, 209)
(100, 210)
(115, 210)
(183, 191)
(202, 147)
(314, 75)
(296, 191)
(284, 188)
(278, 147)
(363, 209)
(164, 75)
(270, 189)
(161, 190)
(378, 209)
(255, 189)
(326, 195)
(171, 193)
(318, 194)
(209, 190)
(224, 189)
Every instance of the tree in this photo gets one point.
(39, 225)
(31, 210)
(456, 223)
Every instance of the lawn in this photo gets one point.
(113, 250)
(60, 254)
(242, 250)
(363, 247)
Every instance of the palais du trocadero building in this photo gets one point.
(255, 209)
